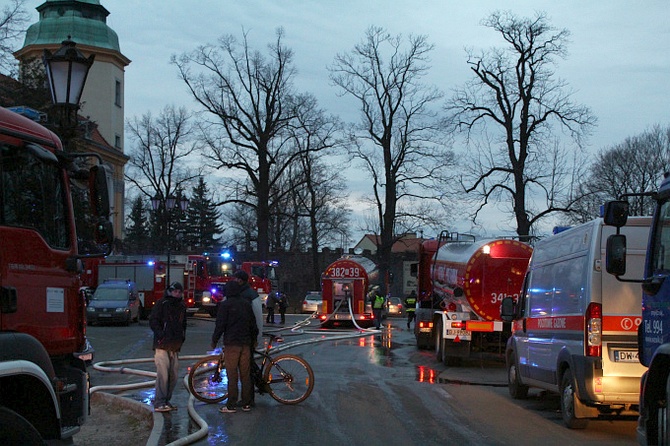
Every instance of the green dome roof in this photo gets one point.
(84, 20)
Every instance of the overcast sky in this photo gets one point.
(618, 62)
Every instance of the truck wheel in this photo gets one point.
(14, 429)
(663, 423)
(517, 390)
(568, 401)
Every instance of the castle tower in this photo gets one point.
(85, 22)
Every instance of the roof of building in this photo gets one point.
(84, 21)
(404, 244)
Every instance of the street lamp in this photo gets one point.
(167, 206)
(67, 70)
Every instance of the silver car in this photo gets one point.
(312, 302)
(394, 306)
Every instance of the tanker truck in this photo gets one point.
(461, 284)
(344, 286)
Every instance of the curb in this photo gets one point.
(141, 410)
(488, 374)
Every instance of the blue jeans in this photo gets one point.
(167, 373)
(238, 362)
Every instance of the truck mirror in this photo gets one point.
(615, 255)
(98, 191)
(507, 309)
(104, 234)
(616, 213)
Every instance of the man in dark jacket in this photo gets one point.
(168, 322)
(235, 320)
(252, 296)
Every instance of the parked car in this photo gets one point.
(312, 302)
(394, 306)
(114, 301)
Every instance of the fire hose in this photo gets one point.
(119, 366)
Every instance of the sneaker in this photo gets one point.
(246, 408)
(172, 406)
(163, 408)
(226, 409)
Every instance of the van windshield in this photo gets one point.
(111, 294)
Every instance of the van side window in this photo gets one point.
(540, 295)
(660, 256)
(570, 299)
(546, 299)
(32, 195)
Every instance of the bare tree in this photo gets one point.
(251, 100)
(635, 165)
(13, 20)
(515, 100)
(396, 138)
(159, 160)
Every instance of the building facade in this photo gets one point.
(85, 22)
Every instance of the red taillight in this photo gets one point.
(425, 324)
(459, 325)
(593, 329)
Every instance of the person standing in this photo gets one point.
(168, 322)
(377, 301)
(270, 304)
(283, 304)
(410, 307)
(252, 296)
(236, 322)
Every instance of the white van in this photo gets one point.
(574, 331)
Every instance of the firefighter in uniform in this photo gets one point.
(410, 307)
(377, 301)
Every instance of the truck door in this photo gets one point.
(36, 238)
(622, 307)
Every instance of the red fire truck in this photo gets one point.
(150, 275)
(262, 277)
(344, 286)
(43, 346)
(462, 282)
(203, 276)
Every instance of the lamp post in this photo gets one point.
(167, 207)
(67, 70)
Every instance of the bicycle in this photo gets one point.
(289, 379)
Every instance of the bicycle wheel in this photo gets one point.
(290, 379)
(207, 380)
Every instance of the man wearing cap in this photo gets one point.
(168, 322)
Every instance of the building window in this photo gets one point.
(117, 141)
(117, 94)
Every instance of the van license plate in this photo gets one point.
(626, 356)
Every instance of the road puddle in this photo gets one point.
(426, 374)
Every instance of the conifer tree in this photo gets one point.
(137, 236)
(202, 220)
